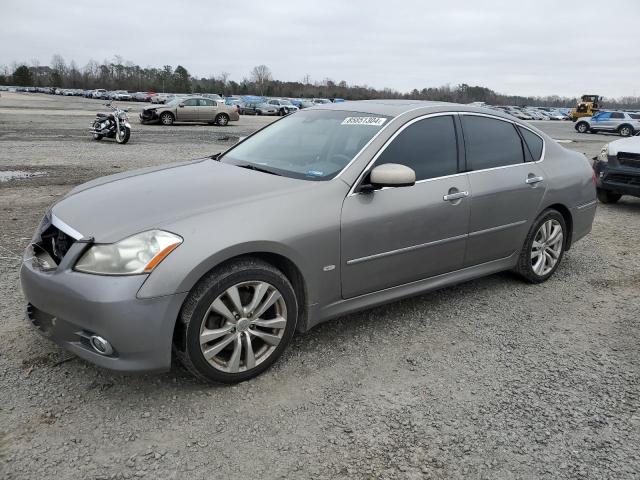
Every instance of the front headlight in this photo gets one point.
(140, 253)
(603, 156)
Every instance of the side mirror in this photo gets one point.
(181, 105)
(392, 175)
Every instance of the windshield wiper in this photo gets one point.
(255, 168)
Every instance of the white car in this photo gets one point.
(617, 169)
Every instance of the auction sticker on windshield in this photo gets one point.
(378, 121)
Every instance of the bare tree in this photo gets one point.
(261, 75)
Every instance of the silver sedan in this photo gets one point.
(330, 210)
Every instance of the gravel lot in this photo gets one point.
(490, 379)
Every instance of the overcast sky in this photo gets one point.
(537, 47)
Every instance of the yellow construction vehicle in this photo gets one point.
(586, 107)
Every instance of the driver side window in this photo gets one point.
(428, 146)
(192, 102)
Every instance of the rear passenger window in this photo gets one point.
(533, 143)
(428, 146)
(491, 143)
(617, 115)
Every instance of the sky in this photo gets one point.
(521, 47)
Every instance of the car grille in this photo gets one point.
(629, 159)
(55, 242)
(622, 178)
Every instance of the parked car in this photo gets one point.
(160, 98)
(283, 105)
(219, 261)
(321, 101)
(100, 93)
(258, 108)
(623, 123)
(192, 109)
(617, 169)
(140, 96)
(121, 95)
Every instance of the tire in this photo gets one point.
(97, 136)
(536, 269)
(625, 130)
(166, 118)
(582, 127)
(124, 138)
(605, 196)
(200, 315)
(222, 119)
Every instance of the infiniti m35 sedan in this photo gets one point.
(332, 209)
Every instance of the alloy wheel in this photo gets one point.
(547, 247)
(243, 326)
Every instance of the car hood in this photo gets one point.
(117, 206)
(629, 145)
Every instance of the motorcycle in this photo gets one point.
(112, 125)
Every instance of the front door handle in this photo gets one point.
(532, 180)
(455, 196)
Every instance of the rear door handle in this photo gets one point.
(534, 180)
(455, 196)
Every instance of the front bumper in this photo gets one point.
(68, 307)
(149, 116)
(622, 180)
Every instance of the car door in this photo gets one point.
(615, 120)
(187, 110)
(207, 110)
(601, 121)
(507, 185)
(394, 236)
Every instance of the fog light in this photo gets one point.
(100, 345)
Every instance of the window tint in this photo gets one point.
(603, 116)
(617, 115)
(533, 143)
(428, 146)
(635, 116)
(205, 102)
(491, 143)
(192, 102)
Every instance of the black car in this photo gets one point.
(617, 169)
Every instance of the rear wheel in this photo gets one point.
(222, 119)
(236, 322)
(582, 127)
(625, 130)
(166, 118)
(97, 136)
(543, 248)
(605, 196)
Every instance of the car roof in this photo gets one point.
(394, 108)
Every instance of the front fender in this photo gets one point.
(181, 271)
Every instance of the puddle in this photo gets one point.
(225, 138)
(8, 175)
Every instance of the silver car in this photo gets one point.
(625, 124)
(330, 210)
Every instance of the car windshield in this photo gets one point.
(311, 145)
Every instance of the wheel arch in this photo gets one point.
(568, 220)
(621, 126)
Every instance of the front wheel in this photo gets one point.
(543, 248)
(123, 135)
(166, 118)
(236, 322)
(582, 127)
(605, 196)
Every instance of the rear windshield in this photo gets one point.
(312, 144)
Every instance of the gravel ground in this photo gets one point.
(492, 379)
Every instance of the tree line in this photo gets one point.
(117, 74)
